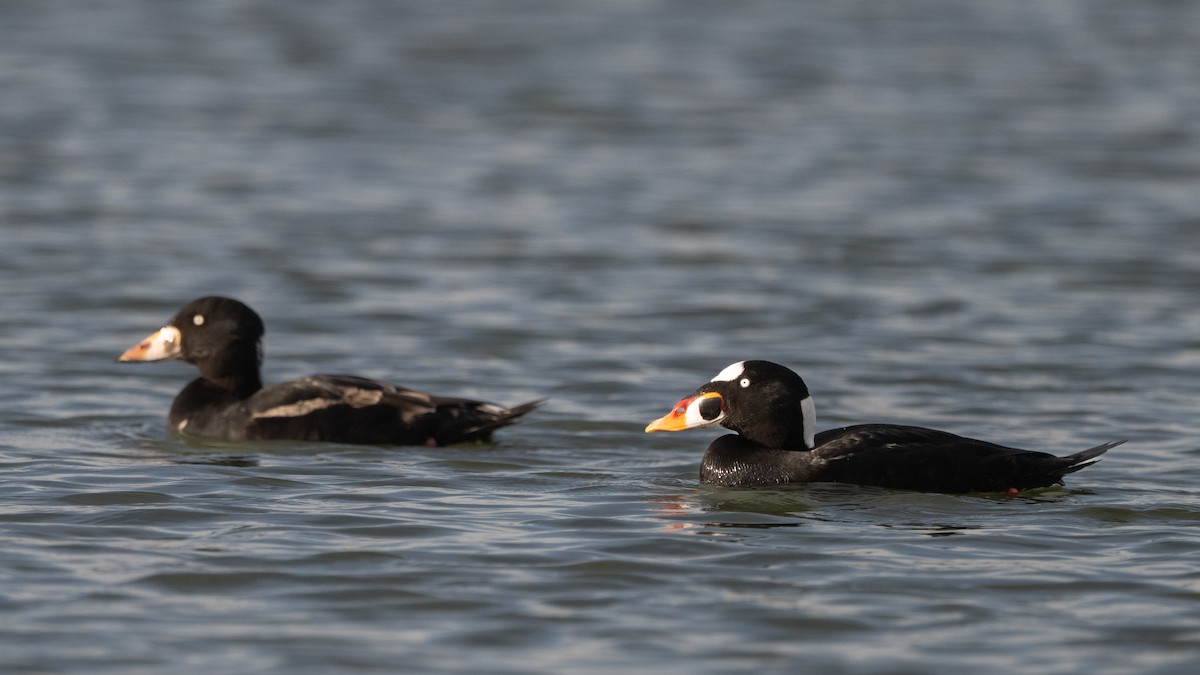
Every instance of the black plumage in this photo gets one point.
(769, 407)
(222, 338)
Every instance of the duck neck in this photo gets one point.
(235, 370)
(782, 430)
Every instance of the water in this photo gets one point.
(977, 217)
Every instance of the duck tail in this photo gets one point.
(1086, 458)
(489, 417)
(510, 415)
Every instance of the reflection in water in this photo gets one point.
(935, 530)
(835, 505)
(221, 460)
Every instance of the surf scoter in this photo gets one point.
(769, 407)
(223, 338)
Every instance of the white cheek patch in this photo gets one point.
(731, 372)
(808, 413)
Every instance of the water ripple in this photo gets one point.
(973, 217)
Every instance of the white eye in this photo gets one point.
(198, 319)
(745, 382)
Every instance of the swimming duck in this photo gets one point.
(222, 337)
(772, 413)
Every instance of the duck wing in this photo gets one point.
(916, 458)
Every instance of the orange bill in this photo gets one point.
(163, 344)
(685, 414)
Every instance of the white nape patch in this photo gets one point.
(808, 413)
(351, 396)
(198, 320)
(181, 426)
(731, 372)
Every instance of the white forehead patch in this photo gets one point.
(731, 372)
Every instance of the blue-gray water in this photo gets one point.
(983, 217)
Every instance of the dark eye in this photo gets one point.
(710, 408)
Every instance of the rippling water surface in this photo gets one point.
(978, 217)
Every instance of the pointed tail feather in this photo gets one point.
(510, 416)
(495, 416)
(1086, 458)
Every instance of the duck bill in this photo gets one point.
(163, 344)
(694, 412)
